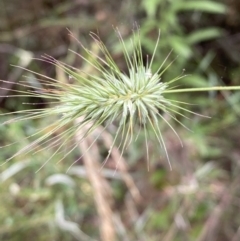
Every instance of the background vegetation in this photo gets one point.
(198, 200)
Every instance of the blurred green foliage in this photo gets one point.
(53, 205)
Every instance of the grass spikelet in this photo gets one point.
(134, 100)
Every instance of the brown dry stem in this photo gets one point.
(101, 189)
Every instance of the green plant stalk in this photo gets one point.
(203, 89)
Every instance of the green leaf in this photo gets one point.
(150, 7)
(180, 46)
(203, 6)
(195, 81)
(204, 35)
(12, 170)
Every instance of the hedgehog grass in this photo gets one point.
(136, 101)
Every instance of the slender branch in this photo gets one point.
(203, 89)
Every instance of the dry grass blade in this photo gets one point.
(121, 165)
(212, 224)
(101, 189)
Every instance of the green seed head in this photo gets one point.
(132, 100)
(135, 100)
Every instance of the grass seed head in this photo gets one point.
(134, 100)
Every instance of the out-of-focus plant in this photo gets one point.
(183, 24)
(165, 15)
(33, 203)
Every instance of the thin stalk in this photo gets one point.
(203, 89)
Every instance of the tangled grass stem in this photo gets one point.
(104, 97)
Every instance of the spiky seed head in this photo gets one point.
(133, 99)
